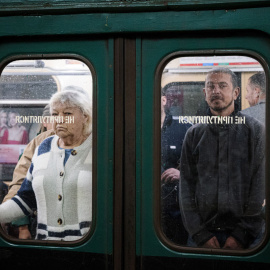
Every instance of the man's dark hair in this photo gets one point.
(258, 80)
(226, 71)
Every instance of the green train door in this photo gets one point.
(31, 71)
(180, 62)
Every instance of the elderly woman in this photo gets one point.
(59, 180)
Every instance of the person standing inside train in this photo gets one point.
(222, 171)
(59, 180)
(256, 94)
(172, 137)
(44, 131)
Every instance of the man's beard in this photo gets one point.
(220, 109)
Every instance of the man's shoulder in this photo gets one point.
(251, 126)
(247, 110)
(199, 126)
(251, 110)
(257, 111)
(249, 119)
(196, 130)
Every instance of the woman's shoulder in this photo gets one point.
(45, 146)
(42, 136)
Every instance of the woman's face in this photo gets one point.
(69, 121)
(12, 119)
(3, 119)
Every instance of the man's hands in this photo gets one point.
(170, 175)
(231, 243)
(212, 243)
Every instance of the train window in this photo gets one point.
(46, 149)
(212, 152)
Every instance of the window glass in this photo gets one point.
(212, 152)
(46, 206)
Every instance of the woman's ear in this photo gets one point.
(85, 118)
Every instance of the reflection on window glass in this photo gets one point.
(212, 152)
(46, 149)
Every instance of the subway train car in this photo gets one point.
(127, 56)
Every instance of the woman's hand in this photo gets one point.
(24, 232)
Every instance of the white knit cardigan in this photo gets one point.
(61, 193)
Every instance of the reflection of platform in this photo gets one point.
(9, 153)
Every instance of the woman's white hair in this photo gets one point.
(73, 98)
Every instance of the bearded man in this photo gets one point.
(222, 171)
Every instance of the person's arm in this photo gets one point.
(12, 191)
(24, 164)
(22, 204)
(21, 170)
(10, 211)
(251, 221)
